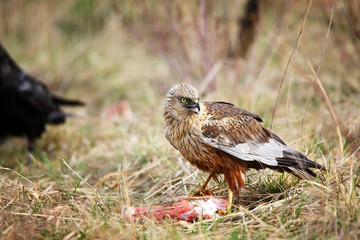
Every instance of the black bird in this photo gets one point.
(26, 104)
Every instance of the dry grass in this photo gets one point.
(106, 52)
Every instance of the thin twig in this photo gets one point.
(291, 60)
(45, 216)
(210, 77)
(328, 104)
(67, 165)
(318, 70)
(8, 169)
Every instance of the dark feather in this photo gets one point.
(233, 125)
(224, 109)
(229, 127)
(297, 160)
(26, 105)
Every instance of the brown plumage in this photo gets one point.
(220, 138)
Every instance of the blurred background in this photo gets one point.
(261, 57)
(293, 63)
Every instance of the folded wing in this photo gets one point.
(241, 134)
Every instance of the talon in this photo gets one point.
(202, 193)
(220, 212)
(207, 193)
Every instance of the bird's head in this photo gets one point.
(182, 100)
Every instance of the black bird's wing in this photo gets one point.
(26, 104)
(15, 80)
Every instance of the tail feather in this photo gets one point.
(68, 102)
(296, 159)
(302, 173)
(298, 164)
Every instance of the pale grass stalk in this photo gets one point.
(21, 176)
(93, 189)
(7, 230)
(162, 189)
(309, 2)
(210, 77)
(125, 189)
(47, 216)
(291, 60)
(260, 78)
(69, 236)
(8, 204)
(328, 104)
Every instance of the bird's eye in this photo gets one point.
(183, 100)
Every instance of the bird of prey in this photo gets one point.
(26, 105)
(220, 138)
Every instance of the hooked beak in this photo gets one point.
(195, 108)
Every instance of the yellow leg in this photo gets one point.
(203, 187)
(202, 191)
(230, 199)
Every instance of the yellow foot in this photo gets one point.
(202, 193)
(220, 212)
